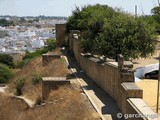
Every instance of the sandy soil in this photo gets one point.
(149, 87)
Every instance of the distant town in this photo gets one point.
(20, 34)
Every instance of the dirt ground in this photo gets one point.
(146, 61)
(149, 87)
(66, 102)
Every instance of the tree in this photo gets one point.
(5, 73)
(7, 60)
(156, 13)
(107, 31)
(4, 22)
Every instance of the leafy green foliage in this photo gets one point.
(19, 86)
(107, 31)
(30, 55)
(36, 78)
(156, 13)
(7, 60)
(4, 22)
(51, 44)
(5, 73)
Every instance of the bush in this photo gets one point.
(19, 86)
(107, 31)
(5, 73)
(36, 78)
(51, 44)
(7, 60)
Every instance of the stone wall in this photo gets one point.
(46, 58)
(60, 34)
(52, 83)
(116, 79)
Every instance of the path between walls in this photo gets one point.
(102, 102)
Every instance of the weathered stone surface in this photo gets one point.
(128, 64)
(60, 34)
(52, 83)
(127, 77)
(137, 106)
(129, 90)
(46, 58)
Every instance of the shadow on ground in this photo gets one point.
(110, 105)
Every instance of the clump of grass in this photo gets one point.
(19, 86)
(36, 78)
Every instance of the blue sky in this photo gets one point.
(64, 7)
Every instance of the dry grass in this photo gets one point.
(56, 68)
(63, 103)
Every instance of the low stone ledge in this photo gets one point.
(128, 64)
(129, 90)
(137, 106)
(46, 58)
(127, 77)
(52, 83)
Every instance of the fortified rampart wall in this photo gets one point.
(115, 78)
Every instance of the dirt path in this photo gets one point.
(102, 102)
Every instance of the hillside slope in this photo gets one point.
(63, 103)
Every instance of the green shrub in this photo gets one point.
(36, 78)
(23, 63)
(107, 31)
(19, 86)
(7, 60)
(5, 73)
(51, 44)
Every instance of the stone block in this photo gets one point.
(60, 34)
(46, 58)
(127, 77)
(129, 90)
(137, 106)
(52, 83)
(128, 64)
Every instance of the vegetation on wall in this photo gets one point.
(107, 31)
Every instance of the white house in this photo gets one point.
(2, 49)
(37, 43)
